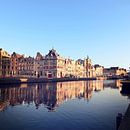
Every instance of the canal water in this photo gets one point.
(80, 105)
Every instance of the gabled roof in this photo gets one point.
(52, 53)
(39, 56)
(16, 55)
(80, 61)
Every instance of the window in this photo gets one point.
(41, 73)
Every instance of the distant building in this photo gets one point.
(4, 63)
(53, 63)
(38, 65)
(98, 70)
(89, 68)
(79, 68)
(14, 64)
(26, 66)
(114, 71)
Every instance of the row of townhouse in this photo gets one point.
(51, 65)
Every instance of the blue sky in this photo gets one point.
(75, 28)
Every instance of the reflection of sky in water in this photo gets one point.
(79, 105)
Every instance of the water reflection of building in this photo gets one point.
(98, 85)
(4, 105)
(51, 95)
(112, 83)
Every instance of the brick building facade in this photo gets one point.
(4, 63)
